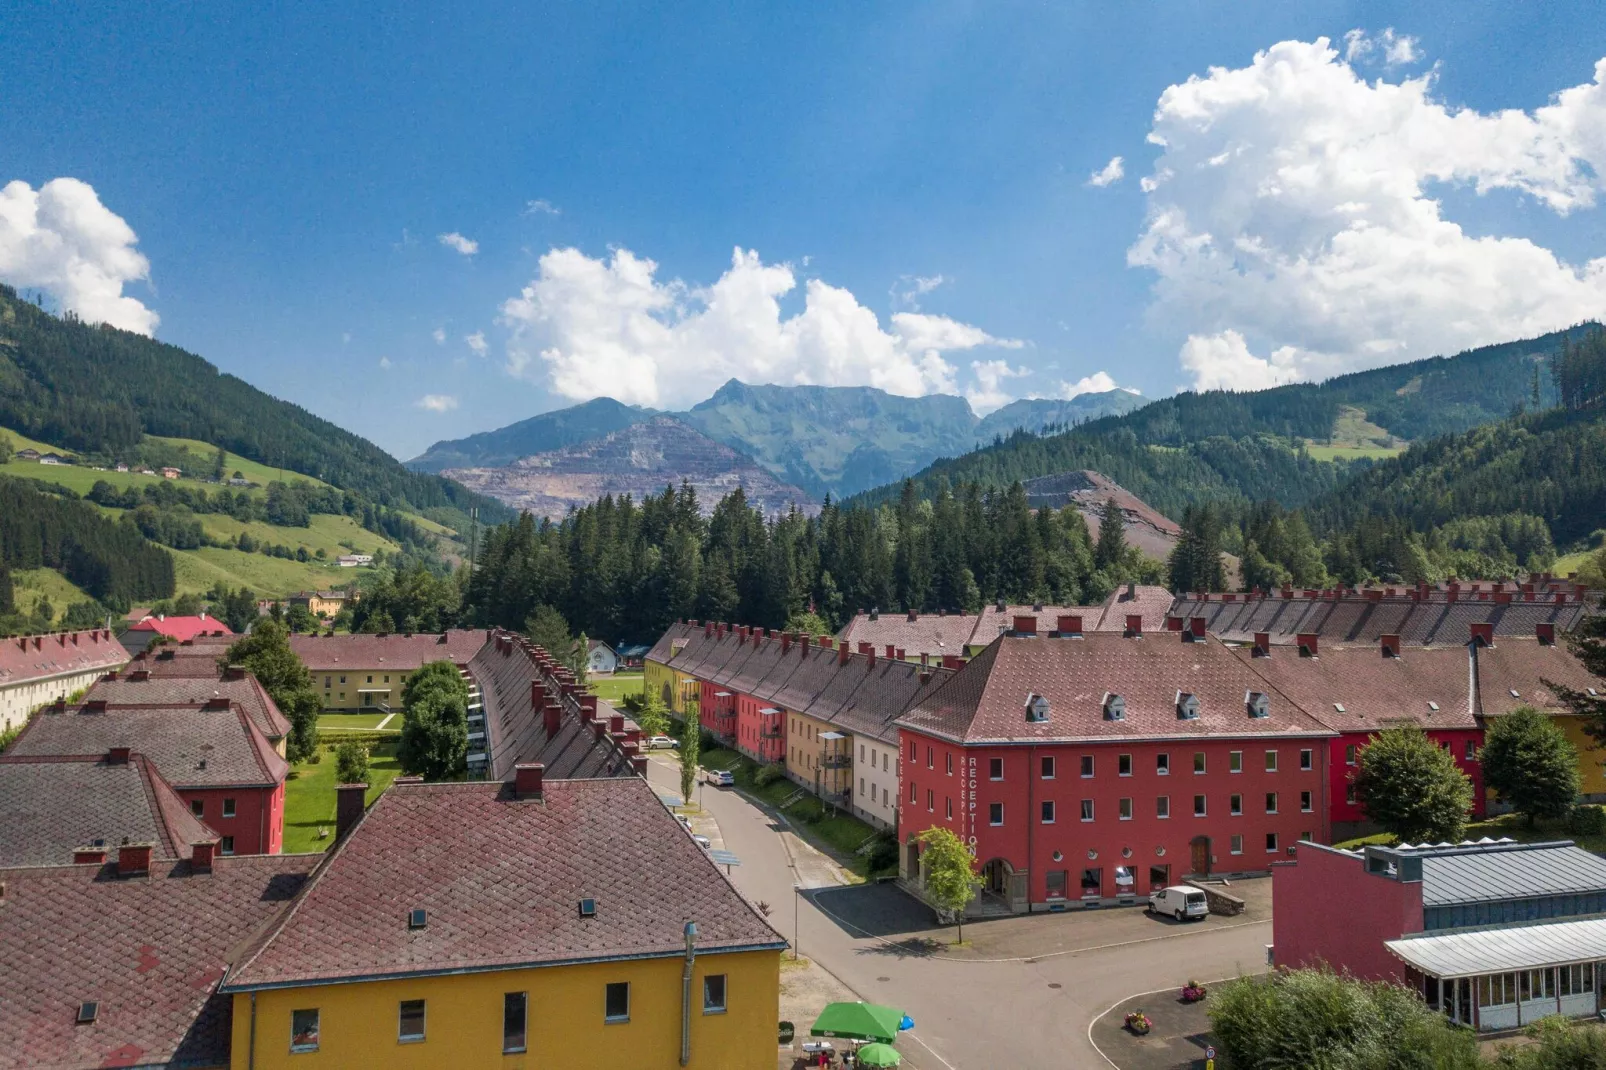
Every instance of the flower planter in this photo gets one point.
(1138, 1023)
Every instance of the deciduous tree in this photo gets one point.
(950, 877)
(1411, 787)
(1529, 761)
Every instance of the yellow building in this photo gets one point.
(366, 672)
(1518, 671)
(564, 923)
(819, 756)
(679, 691)
(323, 604)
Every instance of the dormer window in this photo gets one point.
(1187, 706)
(1258, 703)
(1114, 707)
(1036, 708)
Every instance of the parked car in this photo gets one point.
(660, 743)
(1180, 902)
(722, 778)
(702, 841)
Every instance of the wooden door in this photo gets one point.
(1201, 855)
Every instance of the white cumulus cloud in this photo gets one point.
(62, 240)
(439, 334)
(1109, 174)
(1097, 383)
(437, 402)
(384, 363)
(541, 207)
(477, 343)
(1295, 234)
(591, 327)
(988, 393)
(455, 241)
(1397, 49)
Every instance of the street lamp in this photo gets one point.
(797, 893)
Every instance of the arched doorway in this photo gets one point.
(1201, 856)
(995, 876)
(669, 696)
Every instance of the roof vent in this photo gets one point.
(1258, 703)
(416, 918)
(1187, 706)
(1514, 693)
(88, 1011)
(588, 908)
(1434, 706)
(1036, 708)
(1114, 707)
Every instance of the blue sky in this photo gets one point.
(290, 170)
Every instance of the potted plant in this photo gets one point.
(1138, 1023)
(1193, 992)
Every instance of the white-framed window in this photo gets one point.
(995, 813)
(1123, 765)
(228, 807)
(1162, 765)
(1048, 811)
(1198, 761)
(995, 769)
(616, 1002)
(1271, 843)
(1087, 809)
(1235, 761)
(304, 1030)
(1306, 759)
(1271, 761)
(1126, 809)
(714, 993)
(1199, 806)
(1235, 805)
(1162, 806)
(1271, 802)
(1087, 765)
(1350, 751)
(410, 1021)
(1305, 806)
(1236, 845)
(1048, 767)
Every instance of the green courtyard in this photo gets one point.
(309, 794)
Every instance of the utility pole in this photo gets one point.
(473, 532)
(797, 893)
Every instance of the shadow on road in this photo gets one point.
(883, 910)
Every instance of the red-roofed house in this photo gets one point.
(1093, 769)
(140, 635)
(40, 669)
(220, 763)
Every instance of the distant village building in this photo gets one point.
(631, 655)
(27, 455)
(601, 658)
(37, 669)
(239, 481)
(121, 467)
(322, 603)
(354, 560)
(51, 458)
(171, 473)
(139, 635)
(358, 672)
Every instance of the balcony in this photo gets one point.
(837, 761)
(771, 732)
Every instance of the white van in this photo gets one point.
(1180, 902)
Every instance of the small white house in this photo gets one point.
(354, 560)
(600, 658)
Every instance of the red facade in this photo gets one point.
(1330, 910)
(760, 730)
(248, 821)
(717, 711)
(1096, 825)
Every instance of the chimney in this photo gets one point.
(134, 859)
(638, 764)
(117, 756)
(1132, 589)
(914, 615)
(95, 705)
(825, 641)
(1502, 598)
(1391, 646)
(1287, 591)
(869, 659)
(1262, 645)
(1307, 644)
(234, 672)
(599, 727)
(553, 715)
(898, 654)
(88, 856)
(1196, 629)
(201, 856)
(925, 677)
(1545, 632)
(616, 723)
(803, 645)
(588, 706)
(1134, 625)
(1452, 591)
(708, 629)
(925, 661)
(786, 642)
(1173, 622)
(527, 777)
(952, 661)
(1373, 594)
(1482, 633)
(892, 651)
(1069, 624)
(842, 654)
(350, 801)
(1025, 625)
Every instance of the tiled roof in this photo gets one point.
(1150, 602)
(928, 633)
(516, 729)
(36, 657)
(182, 627)
(1528, 667)
(400, 653)
(193, 748)
(53, 805)
(149, 950)
(500, 880)
(1357, 689)
(247, 692)
(663, 649)
(199, 662)
(1355, 619)
(985, 701)
(886, 689)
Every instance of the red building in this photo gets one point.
(213, 755)
(1093, 769)
(1360, 690)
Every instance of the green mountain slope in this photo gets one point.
(539, 434)
(1035, 414)
(97, 390)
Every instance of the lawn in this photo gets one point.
(1351, 453)
(309, 796)
(1505, 825)
(198, 570)
(32, 584)
(614, 688)
(361, 722)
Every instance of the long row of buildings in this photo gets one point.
(1090, 767)
(553, 912)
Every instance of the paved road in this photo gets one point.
(970, 1015)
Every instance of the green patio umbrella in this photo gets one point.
(878, 1055)
(858, 1021)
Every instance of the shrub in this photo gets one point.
(884, 855)
(1586, 820)
(351, 762)
(765, 775)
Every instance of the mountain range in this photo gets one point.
(820, 440)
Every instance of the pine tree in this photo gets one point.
(691, 752)
(1111, 545)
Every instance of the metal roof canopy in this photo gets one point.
(832, 735)
(1517, 871)
(725, 858)
(1519, 947)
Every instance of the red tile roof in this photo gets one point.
(986, 700)
(53, 805)
(182, 627)
(150, 950)
(399, 653)
(1529, 668)
(247, 692)
(500, 880)
(37, 657)
(193, 748)
(1357, 689)
(928, 633)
